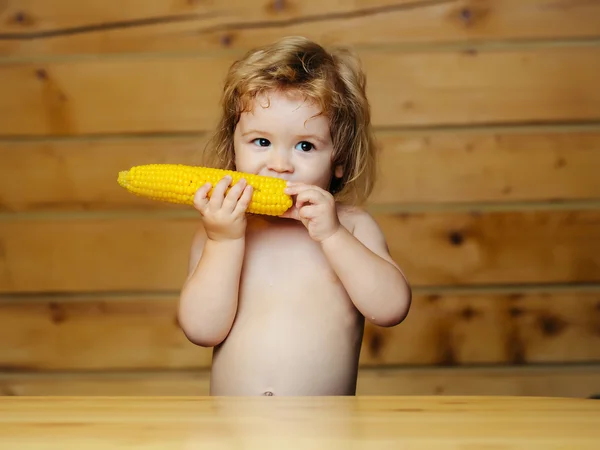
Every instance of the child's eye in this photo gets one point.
(305, 146)
(262, 142)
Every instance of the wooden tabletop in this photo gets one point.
(465, 423)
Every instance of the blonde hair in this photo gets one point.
(333, 80)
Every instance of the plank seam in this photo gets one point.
(188, 213)
(469, 47)
(506, 127)
(168, 295)
(383, 369)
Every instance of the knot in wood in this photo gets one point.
(279, 5)
(466, 15)
(20, 17)
(456, 238)
(515, 312)
(226, 40)
(41, 74)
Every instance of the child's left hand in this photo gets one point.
(315, 208)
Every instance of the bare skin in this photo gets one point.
(283, 300)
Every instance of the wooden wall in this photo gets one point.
(489, 115)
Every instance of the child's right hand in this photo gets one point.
(224, 216)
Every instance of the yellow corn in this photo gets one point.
(177, 183)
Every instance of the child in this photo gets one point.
(283, 299)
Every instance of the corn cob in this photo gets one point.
(177, 183)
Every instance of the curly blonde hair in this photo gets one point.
(334, 80)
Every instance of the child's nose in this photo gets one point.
(279, 161)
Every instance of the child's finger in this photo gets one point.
(309, 196)
(296, 188)
(308, 212)
(291, 213)
(232, 197)
(244, 201)
(201, 197)
(218, 193)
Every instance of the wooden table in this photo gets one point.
(412, 423)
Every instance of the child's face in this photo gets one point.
(283, 137)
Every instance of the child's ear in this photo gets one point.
(339, 171)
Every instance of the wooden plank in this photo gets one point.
(176, 383)
(552, 381)
(434, 167)
(94, 254)
(97, 96)
(181, 94)
(82, 174)
(575, 382)
(141, 332)
(488, 166)
(150, 252)
(497, 247)
(67, 26)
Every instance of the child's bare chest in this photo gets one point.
(283, 264)
(283, 253)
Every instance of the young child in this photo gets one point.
(283, 299)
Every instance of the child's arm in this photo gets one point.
(209, 297)
(374, 282)
(360, 259)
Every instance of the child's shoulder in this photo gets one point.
(365, 229)
(359, 221)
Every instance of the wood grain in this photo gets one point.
(550, 381)
(81, 174)
(150, 252)
(90, 254)
(488, 166)
(67, 26)
(142, 332)
(181, 94)
(531, 246)
(434, 167)
(388, 422)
